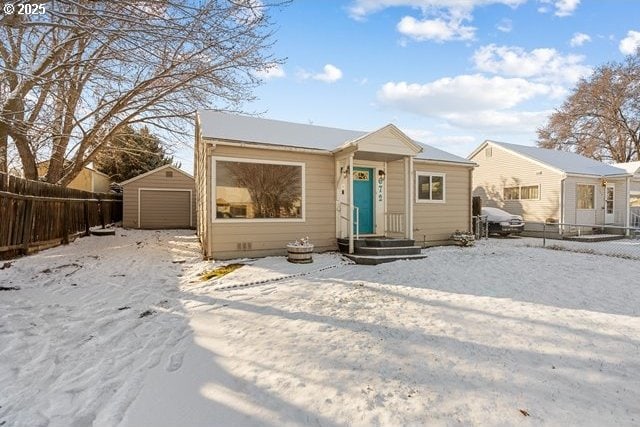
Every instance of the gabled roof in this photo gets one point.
(233, 127)
(630, 167)
(135, 178)
(564, 161)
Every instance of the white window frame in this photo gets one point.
(430, 174)
(303, 202)
(594, 196)
(519, 187)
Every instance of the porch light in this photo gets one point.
(345, 171)
(381, 174)
(603, 182)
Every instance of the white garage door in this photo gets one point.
(165, 209)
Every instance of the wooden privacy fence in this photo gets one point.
(36, 215)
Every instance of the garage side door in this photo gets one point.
(165, 209)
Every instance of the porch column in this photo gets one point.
(410, 198)
(627, 222)
(407, 198)
(351, 203)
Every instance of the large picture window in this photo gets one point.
(585, 194)
(430, 187)
(527, 192)
(252, 189)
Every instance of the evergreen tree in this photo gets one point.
(131, 153)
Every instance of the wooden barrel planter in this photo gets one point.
(300, 254)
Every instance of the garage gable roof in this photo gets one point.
(135, 178)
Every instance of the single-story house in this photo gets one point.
(88, 179)
(634, 193)
(550, 185)
(263, 183)
(161, 198)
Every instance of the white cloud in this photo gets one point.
(273, 71)
(440, 20)
(505, 25)
(500, 121)
(465, 93)
(439, 29)
(541, 65)
(330, 74)
(563, 7)
(629, 44)
(579, 39)
(360, 8)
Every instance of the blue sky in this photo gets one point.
(450, 73)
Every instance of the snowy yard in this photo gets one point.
(121, 331)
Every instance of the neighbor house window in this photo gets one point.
(528, 192)
(585, 195)
(255, 189)
(430, 187)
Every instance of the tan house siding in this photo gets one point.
(230, 239)
(436, 221)
(395, 181)
(101, 183)
(505, 169)
(155, 180)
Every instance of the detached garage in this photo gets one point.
(161, 198)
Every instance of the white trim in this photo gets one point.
(141, 189)
(135, 178)
(412, 186)
(265, 146)
(594, 196)
(351, 248)
(214, 214)
(444, 187)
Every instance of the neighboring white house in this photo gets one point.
(634, 193)
(550, 185)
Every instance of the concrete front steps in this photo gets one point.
(377, 250)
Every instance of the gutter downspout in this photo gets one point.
(386, 210)
(627, 222)
(351, 203)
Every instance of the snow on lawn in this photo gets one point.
(497, 334)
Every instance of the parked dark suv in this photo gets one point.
(502, 222)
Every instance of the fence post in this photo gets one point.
(87, 231)
(65, 221)
(101, 212)
(544, 234)
(27, 225)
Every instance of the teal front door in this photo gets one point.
(363, 198)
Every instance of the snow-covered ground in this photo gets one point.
(121, 331)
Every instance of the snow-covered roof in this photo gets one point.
(142, 175)
(631, 167)
(565, 161)
(234, 127)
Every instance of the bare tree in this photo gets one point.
(274, 189)
(601, 118)
(82, 71)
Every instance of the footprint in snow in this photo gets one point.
(175, 362)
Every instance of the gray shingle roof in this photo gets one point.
(571, 163)
(234, 127)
